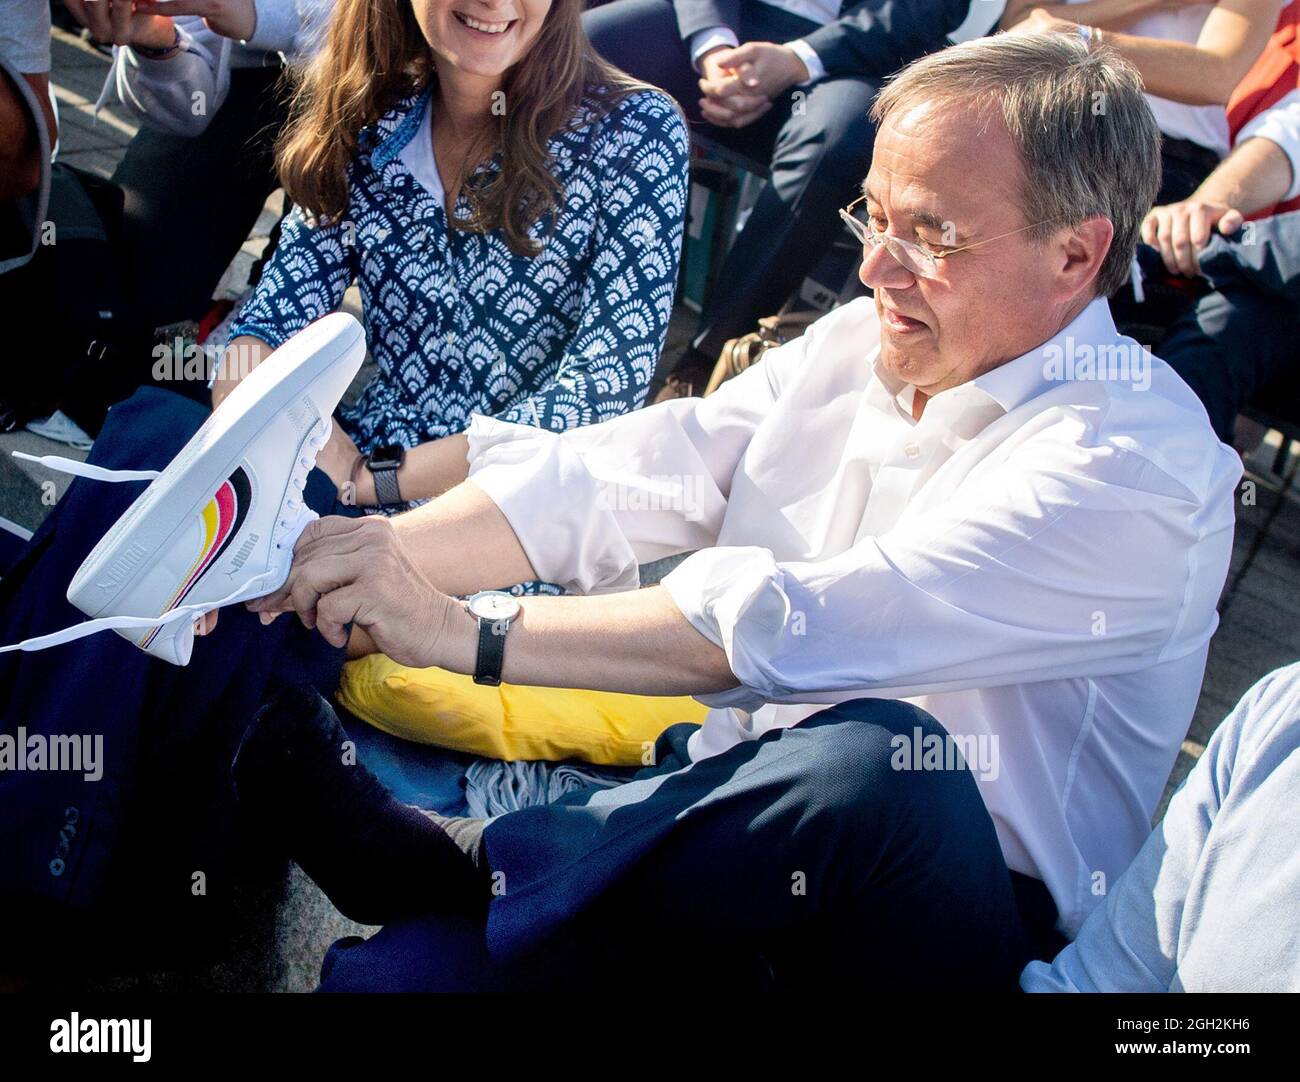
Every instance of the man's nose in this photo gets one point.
(881, 270)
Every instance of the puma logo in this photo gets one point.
(241, 557)
(122, 567)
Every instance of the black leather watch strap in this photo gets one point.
(491, 655)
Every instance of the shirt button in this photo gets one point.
(912, 450)
(451, 337)
(382, 235)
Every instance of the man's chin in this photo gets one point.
(907, 360)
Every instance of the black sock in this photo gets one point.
(376, 858)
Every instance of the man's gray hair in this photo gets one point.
(1087, 140)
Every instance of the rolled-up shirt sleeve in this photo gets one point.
(1281, 126)
(1016, 580)
(590, 504)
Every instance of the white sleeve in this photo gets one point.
(292, 28)
(182, 93)
(590, 504)
(277, 24)
(1280, 125)
(1015, 579)
(811, 61)
(704, 40)
(25, 35)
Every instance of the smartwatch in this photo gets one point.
(494, 610)
(383, 464)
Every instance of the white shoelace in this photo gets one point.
(294, 517)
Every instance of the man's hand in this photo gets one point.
(115, 22)
(355, 571)
(235, 19)
(739, 84)
(1180, 230)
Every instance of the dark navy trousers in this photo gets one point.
(787, 861)
(162, 810)
(1240, 342)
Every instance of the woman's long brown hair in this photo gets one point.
(375, 54)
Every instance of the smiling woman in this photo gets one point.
(509, 75)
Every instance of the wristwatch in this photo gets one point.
(383, 464)
(494, 610)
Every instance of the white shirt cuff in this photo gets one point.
(811, 61)
(734, 597)
(704, 40)
(1280, 125)
(573, 542)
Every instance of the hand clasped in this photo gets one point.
(355, 571)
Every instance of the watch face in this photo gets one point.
(389, 457)
(494, 605)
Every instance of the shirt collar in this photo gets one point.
(1004, 388)
(397, 127)
(1019, 380)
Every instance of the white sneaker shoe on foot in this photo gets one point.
(218, 525)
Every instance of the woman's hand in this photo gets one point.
(230, 18)
(341, 459)
(355, 571)
(119, 22)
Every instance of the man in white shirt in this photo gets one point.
(969, 493)
(789, 84)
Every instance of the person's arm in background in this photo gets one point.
(171, 67)
(20, 144)
(1256, 175)
(874, 38)
(25, 48)
(877, 37)
(1206, 73)
(1104, 14)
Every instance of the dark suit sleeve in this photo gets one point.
(696, 15)
(877, 37)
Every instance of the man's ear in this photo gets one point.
(1083, 249)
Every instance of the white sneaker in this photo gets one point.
(61, 428)
(218, 525)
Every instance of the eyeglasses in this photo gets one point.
(914, 258)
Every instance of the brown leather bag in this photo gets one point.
(740, 353)
(745, 351)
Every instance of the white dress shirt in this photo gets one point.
(1037, 560)
(818, 11)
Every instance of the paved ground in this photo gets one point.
(288, 928)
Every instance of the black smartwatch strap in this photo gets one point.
(491, 654)
(387, 491)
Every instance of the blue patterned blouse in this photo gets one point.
(459, 324)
